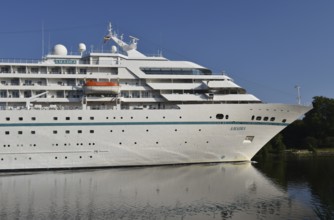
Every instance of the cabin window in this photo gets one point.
(258, 118)
(220, 116)
(55, 132)
(91, 131)
(8, 119)
(265, 119)
(33, 118)
(33, 132)
(67, 131)
(19, 132)
(79, 131)
(67, 118)
(20, 118)
(284, 120)
(79, 118)
(7, 132)
(272, 119)
(55, 118)
(91, 118)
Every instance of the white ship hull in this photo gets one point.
(108, 138)
(106, 109)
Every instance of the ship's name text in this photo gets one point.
(238, 128)
(65, 61)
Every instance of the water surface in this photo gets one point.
(213, 191)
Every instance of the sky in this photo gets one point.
(267, 46)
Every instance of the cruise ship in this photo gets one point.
(119, 107)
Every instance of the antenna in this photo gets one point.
(42, 38)
(298, 95)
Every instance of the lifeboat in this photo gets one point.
(95, 87)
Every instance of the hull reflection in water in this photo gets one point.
(215, 191)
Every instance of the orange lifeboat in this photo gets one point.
(95, 87)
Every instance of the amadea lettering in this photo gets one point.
(238, 128)
(65, 61)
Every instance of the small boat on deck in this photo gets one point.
(103, 87)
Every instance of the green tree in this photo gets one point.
(319, 121)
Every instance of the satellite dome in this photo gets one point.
(82, 47)
(59, 50)
(114, 49)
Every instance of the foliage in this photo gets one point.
(319, 121)
(315, 130)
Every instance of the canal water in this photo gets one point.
(279, 189)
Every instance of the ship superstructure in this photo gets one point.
(122, 108)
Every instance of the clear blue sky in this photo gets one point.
(266, 46)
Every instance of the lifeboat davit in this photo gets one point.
(95, 87)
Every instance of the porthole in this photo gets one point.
(107, 118)
(253, 117)
(67, 131)
(131, 117)
(120, 143)
(219, 116)
(79, 118)
(33, 132)
(20, 118)
(6, 132)
(110, 130)
(135, 143)
(272, 119)
(147, 130)
(80, 157)
(265, 119)
(226, 116)
(180, 117)
(33, 118)
(91, 131)
(19, 132)
(258, 118)
(175, 130)
(157, 142)
(121, 117)
(65, 157)
(199, 129)
(56, 158)
(7, 119)
(122, 130)
(79, 131)
(55, 118)
(90, 156)
(91, 118)
(54, 132)
(284, 120)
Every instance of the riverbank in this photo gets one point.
(307, 153)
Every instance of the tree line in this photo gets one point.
(314, 131)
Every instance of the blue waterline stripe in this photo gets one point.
(141, 123)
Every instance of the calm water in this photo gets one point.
(299, 189)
